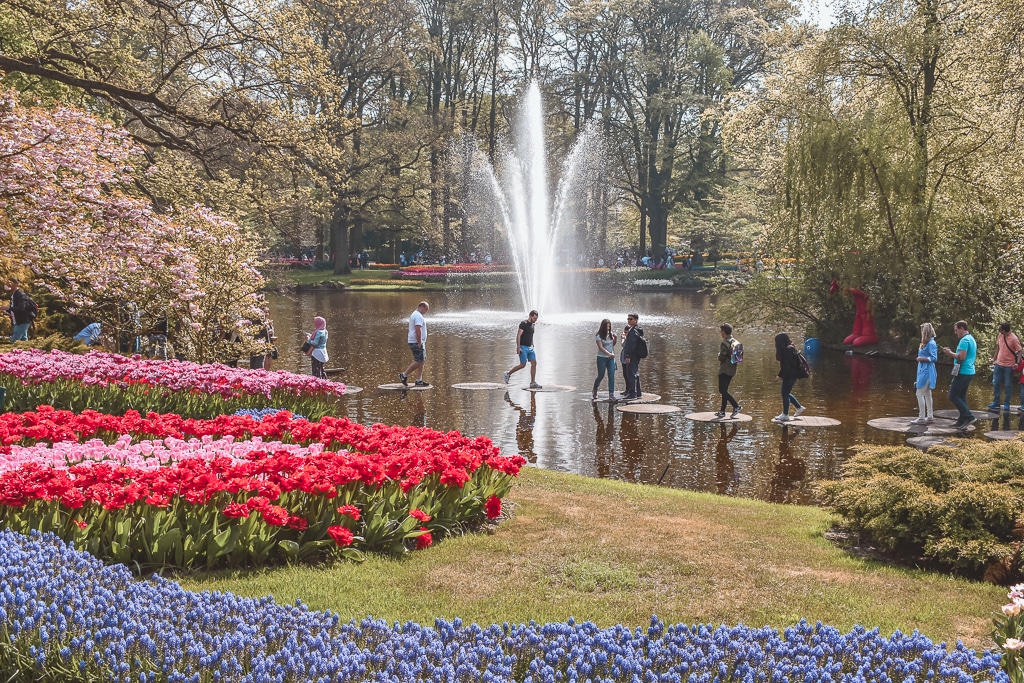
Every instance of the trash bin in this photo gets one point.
(812, 346)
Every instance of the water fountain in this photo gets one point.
(540, 244)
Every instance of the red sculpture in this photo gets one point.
(864, 333)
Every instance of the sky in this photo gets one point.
(818, 11)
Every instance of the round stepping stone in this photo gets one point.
(398, 386)
(601, 398)
(955, 414)
(711, 417)
(903, 424)
(809, 421)
(648, 408)
(550, 388)
(1004, 435)
(646, 398)
(479, 386)
(926, 442)
(349, 389)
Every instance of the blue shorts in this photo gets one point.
(419, 352)
(526, 353)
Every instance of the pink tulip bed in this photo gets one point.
(116, 383)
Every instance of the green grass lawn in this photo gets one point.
(612, 552)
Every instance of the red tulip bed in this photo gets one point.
(161, 490)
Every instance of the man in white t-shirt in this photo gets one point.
(417, 344)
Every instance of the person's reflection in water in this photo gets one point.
(603, 438)
(634, 447)
(725, 468)
(417, 409)
(524, 426)
(789, 471)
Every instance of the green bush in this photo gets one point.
(958, 507)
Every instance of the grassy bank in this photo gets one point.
(613, 552)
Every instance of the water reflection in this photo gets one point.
(790, 469)
(524, 425)
(472, 337)
(725, 468)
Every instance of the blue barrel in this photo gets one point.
(812, 346)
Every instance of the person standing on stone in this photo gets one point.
(417, 344)
(1003, 362)
(727, 369)
(926, 375)
(789, 373)
(963, 372)
(318, 351)
(605, 340)
(630, 360)
(525, 350)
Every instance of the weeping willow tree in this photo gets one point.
(884, 148)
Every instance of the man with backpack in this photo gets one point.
(22, 311)
(634, 348)
(730, 354)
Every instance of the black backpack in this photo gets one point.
(31, 309)
(805, 367)
(642, 348)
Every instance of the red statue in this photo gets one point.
(864, 333)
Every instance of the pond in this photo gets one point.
(472, 339)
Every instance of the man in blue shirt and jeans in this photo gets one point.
(963, 372)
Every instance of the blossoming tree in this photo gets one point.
(69, 211)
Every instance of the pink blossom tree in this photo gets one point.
(70, 212)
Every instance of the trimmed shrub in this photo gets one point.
(959, 507)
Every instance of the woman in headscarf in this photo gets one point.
(318, 347)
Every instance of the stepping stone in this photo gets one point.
(1004, 435)
(648, 408)
(809, 421)
(601, 398)
(938, 427)
(479, 386)
(333, 371)
(926, 442)
(646, 398)
(550, 388)
(955, 414)
(398, 386)
(711, 417)
(349, 389)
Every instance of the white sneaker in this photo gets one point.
(506, 377)
(534, 385)
(799, 411)
(720, 413)
(919, 421)
(782, 418)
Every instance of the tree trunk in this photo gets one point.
(339, 238)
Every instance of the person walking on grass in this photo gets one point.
(926, 375)
(727, 364)
(1008, 348)
(418, 345)
(525, 350)
(963, 372)
(605, 341)
(789, 373)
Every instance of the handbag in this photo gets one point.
(306, 348)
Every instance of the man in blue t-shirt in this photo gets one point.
(963, 372)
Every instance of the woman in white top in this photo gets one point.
(318, 354)
(605, 341)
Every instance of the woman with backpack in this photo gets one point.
(790, 370)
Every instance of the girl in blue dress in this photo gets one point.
(926, 357)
